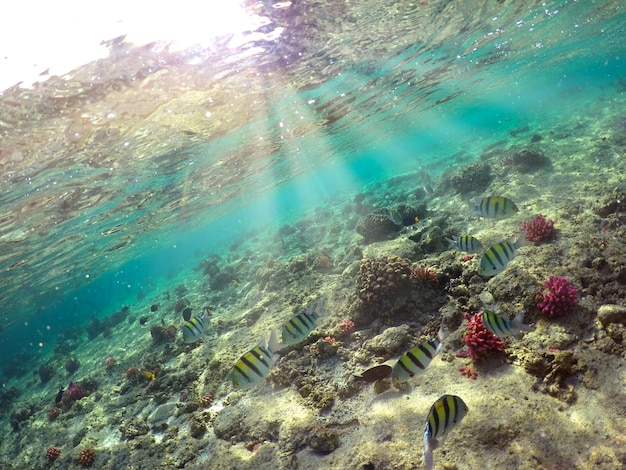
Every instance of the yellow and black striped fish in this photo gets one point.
(299, 327)
(494, 207)
(254, 365)
(502, 326)
(498, 256)
(416, 360)
(193, 329)
(444, 415)
(465, 243)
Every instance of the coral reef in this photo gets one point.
(161, 334)
(72, 365)
(53, 453)
(53, 413)
(471, 178)
(539, 229)
(376, 227)
(205, 400)
(426, 275)
(323, 440)
(529, 161)
(345, 327)
(381, 282)
(554, 371)
(87, 457)
(45, 373)
(479, 340)
(73, 393)
(560, 299)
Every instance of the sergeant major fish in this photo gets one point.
(494, 207)
(416, 360)
(298, 327)
(193, 329)
(465, 243)
(444, 415)
(495, 259)
(502, 326)
(254, 365)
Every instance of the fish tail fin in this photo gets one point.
(205, 314)
(473, 206)
(429, 446)
(518, 321)
(274, 345)
(522, 240)
(442, 333)
(451, 242)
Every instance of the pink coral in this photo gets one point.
(560, 299)
(539, 229)
(346, 326)
(479, 339)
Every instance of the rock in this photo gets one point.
(161, 413)
(133, 428)
(323, 441)
(608, 314)
(390, 341)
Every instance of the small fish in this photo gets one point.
(187, 314)
(502, 326)
(498, 256)
(416, 360)
(195, 327)
(59, 395)
(443, 417)
(465, 243)
(494, 207)
(375, 373)
(253, 366)
(148, 374)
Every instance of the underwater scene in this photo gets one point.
(332, 235)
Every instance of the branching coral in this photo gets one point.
(479, 339)
(560, 299)
(539, 229)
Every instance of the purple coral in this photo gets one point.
(559, 300)
(479, 339)
(74, 392)
(539, 229)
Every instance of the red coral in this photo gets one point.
(560, 299)
(53, 453)
(53, 413)
(479, 339)
(206, 400)
(468, 372)
(425, 274)
(539, 229)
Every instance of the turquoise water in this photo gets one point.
(119, 214)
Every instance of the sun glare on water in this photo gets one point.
(41, 38)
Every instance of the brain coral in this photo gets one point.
(382, 281)
(376, 227)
